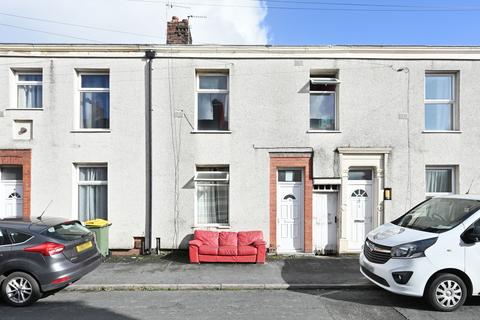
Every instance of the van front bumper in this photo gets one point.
(381, 274)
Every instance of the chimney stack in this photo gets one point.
(178, 32)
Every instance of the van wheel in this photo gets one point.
(447, 292)
(20, 289)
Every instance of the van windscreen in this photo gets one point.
(438, 214)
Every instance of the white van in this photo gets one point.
(430, 251)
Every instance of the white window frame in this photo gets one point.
(453, 102)
(26, 83)
(198, 90)
(453, 169)
(225, 181)
(78, 99)
(327, 81)
(77, 183)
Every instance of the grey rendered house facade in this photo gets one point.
(299, 142)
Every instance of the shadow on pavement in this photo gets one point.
(179, 256)
(315, 270)
(318, 270)
(45, 310)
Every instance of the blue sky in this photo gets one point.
(244, 21)
(336, 27)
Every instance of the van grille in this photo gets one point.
(376, 253)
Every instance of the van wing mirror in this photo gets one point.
(471, 235)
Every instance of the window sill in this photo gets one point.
(442, 131)
(24, 109)
(217, 226)
(91, 131)
(324, 131)
(211, 132)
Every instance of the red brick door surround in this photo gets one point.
(20, 157)
(301, 161)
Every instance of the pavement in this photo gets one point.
(173, 272)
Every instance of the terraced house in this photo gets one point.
(315, 146)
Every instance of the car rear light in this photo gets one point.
(46, 248)
(60, 280)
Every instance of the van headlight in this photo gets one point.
(413, 249)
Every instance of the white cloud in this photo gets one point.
(224, 24)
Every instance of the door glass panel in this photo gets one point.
(12, 173)
(290, 175)
(359, 174)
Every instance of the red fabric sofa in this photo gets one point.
(213, 246)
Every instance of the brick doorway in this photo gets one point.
(20, 157)
(299, 161)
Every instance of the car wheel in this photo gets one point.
(20, 289)
(447, 292)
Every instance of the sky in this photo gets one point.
(274, 22)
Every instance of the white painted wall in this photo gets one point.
(269, 107)
(55, 148)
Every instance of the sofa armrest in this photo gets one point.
(259, 243)
(196, 243)
(261, 250)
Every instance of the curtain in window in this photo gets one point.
(92, 199)
(438, 87)
(212, 203)
(208, 101)
(95, 110)
(29, 96)
(438, 117)
(439, 180)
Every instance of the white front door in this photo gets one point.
(11, 191)
(12, 198)
(290, 211)
(360, 212)
(325, 221)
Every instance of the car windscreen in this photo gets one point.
(66, 231)
(438, 214)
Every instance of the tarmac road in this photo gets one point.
(242, 304)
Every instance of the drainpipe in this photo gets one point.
(149, 55)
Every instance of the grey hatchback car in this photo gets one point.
(40, 257)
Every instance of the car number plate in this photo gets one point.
(84, 246)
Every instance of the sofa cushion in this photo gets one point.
(247, 238)
(227, 250)
(227, 239)
(246, 250)
(208, 238)
(208, 250)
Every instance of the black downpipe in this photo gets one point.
(149, 55)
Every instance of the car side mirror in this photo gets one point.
(471, 235)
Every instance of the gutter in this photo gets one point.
(149, 55)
